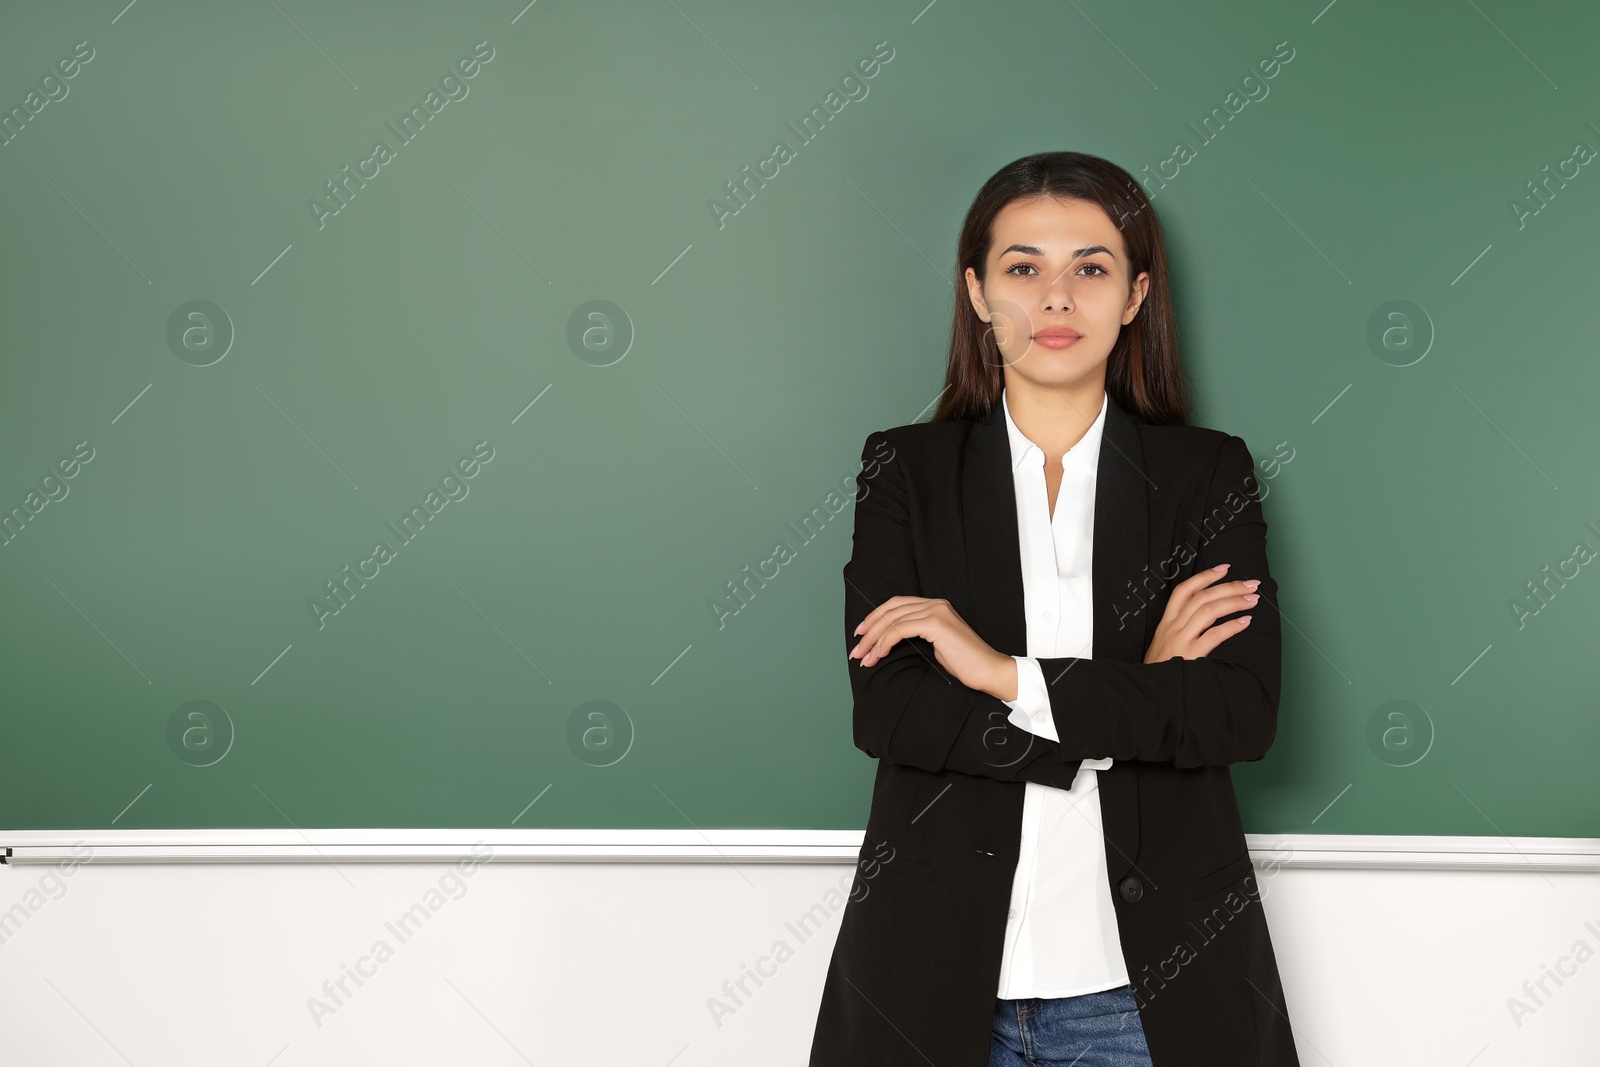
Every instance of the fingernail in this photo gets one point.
(1245, 619)
(1220, 567)
(1252, 583)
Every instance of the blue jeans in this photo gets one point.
(1093, 1030)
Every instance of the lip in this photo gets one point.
(1057, 337)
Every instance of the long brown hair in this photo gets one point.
(1142, 372)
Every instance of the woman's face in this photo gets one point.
(1057, 289)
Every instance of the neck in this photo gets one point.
(1054, 417)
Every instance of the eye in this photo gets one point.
(1016, 268)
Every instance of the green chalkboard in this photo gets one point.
(503, 292)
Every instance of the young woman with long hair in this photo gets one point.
(1061, 631)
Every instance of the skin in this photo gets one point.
(1054, 262)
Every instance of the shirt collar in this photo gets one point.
(1087, 446)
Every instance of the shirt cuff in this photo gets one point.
(1031, 710)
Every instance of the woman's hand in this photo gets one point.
(1186, 626)
(956, 646)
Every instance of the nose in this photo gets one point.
(1058, 294)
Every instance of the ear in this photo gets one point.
(975, 294)
(1136, 295)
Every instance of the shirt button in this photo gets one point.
(1045, 615)
(1011, 914)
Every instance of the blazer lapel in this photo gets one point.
(1120, 556)
(994, 599)
(994, 606)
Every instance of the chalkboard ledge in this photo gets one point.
(1269, 851)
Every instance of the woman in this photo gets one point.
(1061, 631)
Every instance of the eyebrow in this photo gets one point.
(1030, 250)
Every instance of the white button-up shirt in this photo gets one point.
(1061, 934)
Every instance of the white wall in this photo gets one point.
(597, 963)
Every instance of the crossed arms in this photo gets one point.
(1217, 709)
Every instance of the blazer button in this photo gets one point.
(1132, 889)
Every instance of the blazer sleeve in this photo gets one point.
(907, 709)
(1219, 709)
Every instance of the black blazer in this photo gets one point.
(916, 966)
